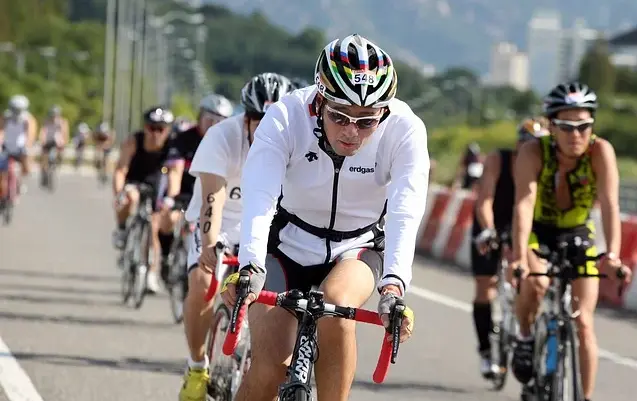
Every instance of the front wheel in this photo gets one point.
(177, 284)
(143, 250)
(6, 207)
(503, 337)
(567, 383)
(127, 264)
(226, 372)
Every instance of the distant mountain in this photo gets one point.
(439, 32)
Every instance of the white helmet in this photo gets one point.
(19, 103)
(217, 104)
(83, 128)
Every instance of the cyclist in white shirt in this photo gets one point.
(18, 130)
(54, 134)
(345, 157)
(216, 206)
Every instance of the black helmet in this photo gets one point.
(262, 90)
(158, 115)
(567, 96)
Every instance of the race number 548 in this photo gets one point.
(363, 78)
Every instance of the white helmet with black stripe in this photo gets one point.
(217, 104)
(262, 90)
(355, 71)
(567, 96)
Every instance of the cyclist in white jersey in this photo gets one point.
(54, 134)
(345, 157)
(18, 131)
(216, 206)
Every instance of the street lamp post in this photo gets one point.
(109, 59)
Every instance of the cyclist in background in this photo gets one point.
(557, 181)
(212, 110)
(493, 214)
(216, 206)
(103, 140)
(81, 137)
(182, 124)
(470, 168)
(19, 129)
(349, 166)
(53, 134)
(142, 156)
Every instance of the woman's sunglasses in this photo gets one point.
(156, 127)
(572, 126)
(342, 119)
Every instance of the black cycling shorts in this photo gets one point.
(154, 186)
(487, 264)
(284, 274)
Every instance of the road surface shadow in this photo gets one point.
(61, 276)
(431, 263)
(419, 386)
(129, 363)
(57, 300)
(66, 320)
(64, 290)
(618, 314)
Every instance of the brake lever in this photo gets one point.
(517, 274)
(243, 288)
(620, 275)
(396, 323)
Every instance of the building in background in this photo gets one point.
(555, 53)
(623, 49)
(508, 67)
(428, 70)
(574, 44)
(544, 49)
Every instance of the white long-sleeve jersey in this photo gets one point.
(392, 168)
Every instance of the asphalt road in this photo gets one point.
(65, 336)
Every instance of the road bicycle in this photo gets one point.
(138, 253)
(505, 329)
(556, 358)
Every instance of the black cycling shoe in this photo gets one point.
(522, 363)
(528, 393)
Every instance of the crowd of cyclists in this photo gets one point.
(284, 185)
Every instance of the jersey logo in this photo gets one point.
(361, 169)
(311, 156)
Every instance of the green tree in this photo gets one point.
(596, 69)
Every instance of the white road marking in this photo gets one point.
(467, 308)
(13, 379)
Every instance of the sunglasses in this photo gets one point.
(342, 119)
(211, 117)
(156, 127)
(572, 126)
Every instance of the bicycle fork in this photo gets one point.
(303, 360)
